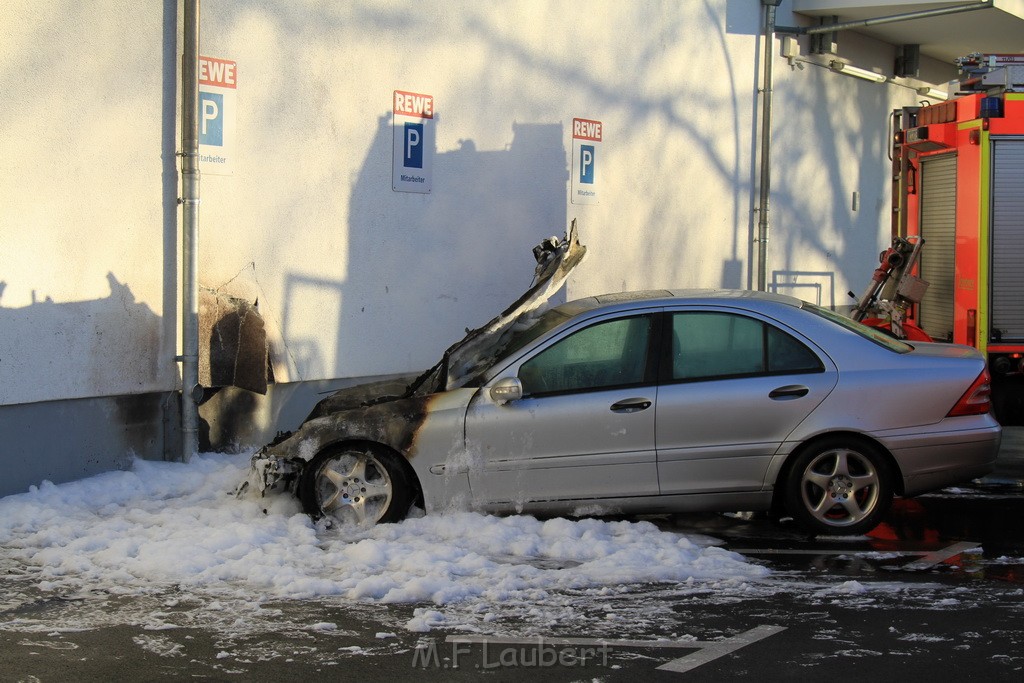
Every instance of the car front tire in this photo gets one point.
(355, 484)
(839, 486)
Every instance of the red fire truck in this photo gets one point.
(958, 189)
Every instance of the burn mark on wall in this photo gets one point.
(233, 349)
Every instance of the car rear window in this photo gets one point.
(869, 333)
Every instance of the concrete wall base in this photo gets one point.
(61, 441)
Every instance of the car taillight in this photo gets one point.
(977, 400)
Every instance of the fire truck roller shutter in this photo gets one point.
(938, 228)
(1007, 211)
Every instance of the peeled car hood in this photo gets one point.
(361, 395)
(555, 260)
(474, 352)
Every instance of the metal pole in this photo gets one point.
(766, 146)
(190, 232)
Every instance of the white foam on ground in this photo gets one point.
(164, 546)
(173, 527)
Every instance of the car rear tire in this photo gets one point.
(839, 486)
(356, 484)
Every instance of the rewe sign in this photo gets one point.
(218, 83)
(413, 155)
(587, 135)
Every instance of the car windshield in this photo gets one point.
(527, 327)
(870, 333)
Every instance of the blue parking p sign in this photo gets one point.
(413, 152)
(218, 89)
(211, 119)
(412, 165)
(587, 164)
(587, 135)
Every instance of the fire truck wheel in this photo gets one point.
(838, 485)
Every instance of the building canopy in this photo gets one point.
(996, 27)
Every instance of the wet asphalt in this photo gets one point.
(946, 599)
(1010, 462)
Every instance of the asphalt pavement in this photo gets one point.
(885, 611)
(1010, 461)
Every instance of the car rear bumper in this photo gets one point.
(964, 449)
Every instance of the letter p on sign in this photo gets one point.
(587, 164)
(413, 154)
(211, 119)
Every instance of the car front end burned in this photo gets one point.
(384, 424)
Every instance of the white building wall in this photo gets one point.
(830, 140)
(353, 278)
(364, 280)
(85, 270)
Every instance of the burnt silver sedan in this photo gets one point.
(650, 402)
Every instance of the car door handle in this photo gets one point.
(631, 405)
(788, 392)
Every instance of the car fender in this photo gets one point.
(427, 431)
(777, 467)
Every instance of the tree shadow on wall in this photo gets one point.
(420, 269)
(109, 347)
(423, 267)
(66, 350)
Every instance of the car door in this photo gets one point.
(584, 427)
(733, 387)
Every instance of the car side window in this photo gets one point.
(711, 345)
(786, 354)
(604, 355)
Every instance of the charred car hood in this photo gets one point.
(465, 359)
(361, 395)
(555, 260)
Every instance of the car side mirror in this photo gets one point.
(507, 389)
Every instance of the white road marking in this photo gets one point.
(599, 642)
(928, 558)
(933, 558)
(720, 648)
(784, 551)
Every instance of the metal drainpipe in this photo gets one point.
(766, 143)
(190, 232)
